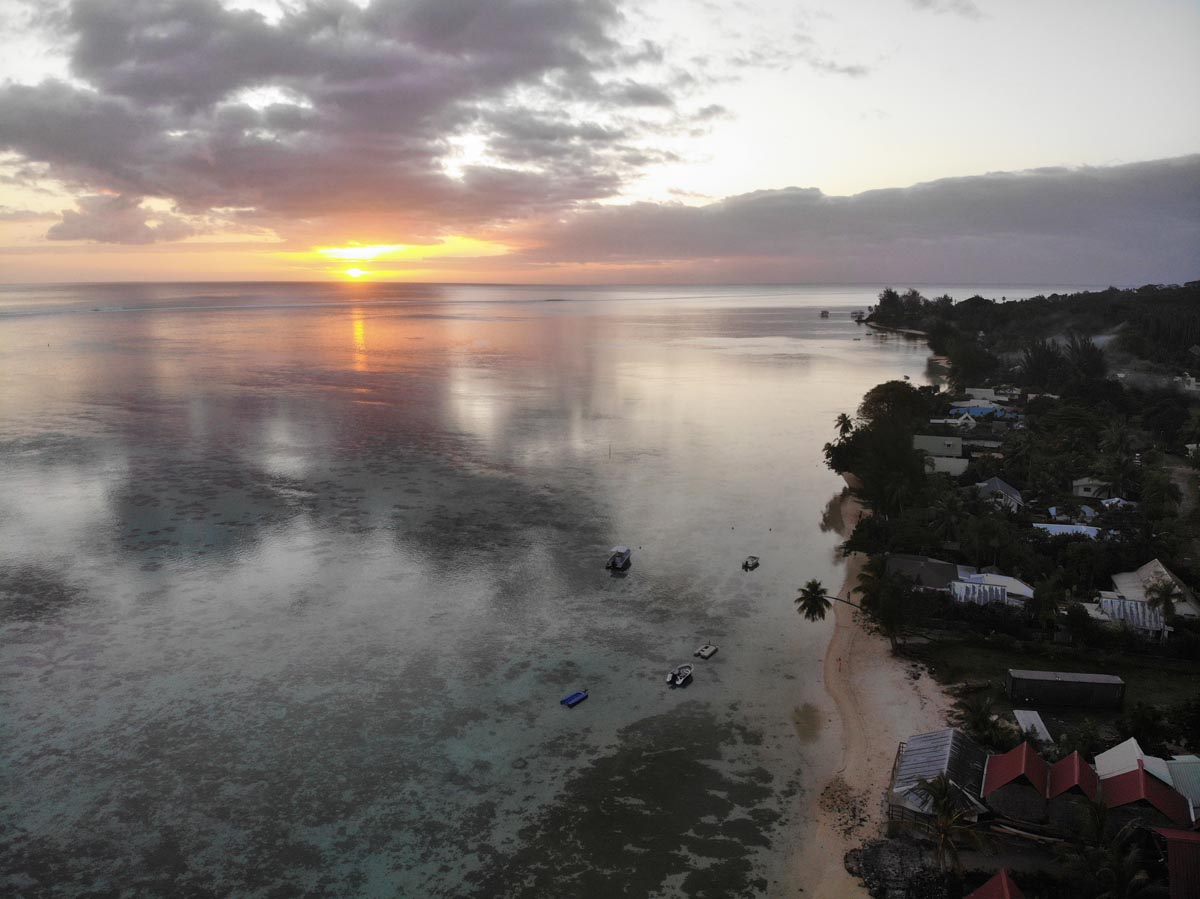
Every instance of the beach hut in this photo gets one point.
(1014, 784)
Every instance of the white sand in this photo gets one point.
(880, 701)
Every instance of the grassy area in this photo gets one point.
(959, 660)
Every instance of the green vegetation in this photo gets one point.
(1094, 425)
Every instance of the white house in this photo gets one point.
(1133, 585)
(1091, 488)
(1001, 493)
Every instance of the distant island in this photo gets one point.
(1030, 538)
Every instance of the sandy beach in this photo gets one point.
(879, 700)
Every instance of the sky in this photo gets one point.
(601, 141)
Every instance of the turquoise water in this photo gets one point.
(292, 578)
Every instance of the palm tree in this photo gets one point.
(950, 826)
(1162, 594)
(845, 424)
(976, 715)
(812, 602)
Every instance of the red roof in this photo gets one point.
(1137, 785)
(1020, 762)
(1072, 772)
(1001, 886)
(1183, 862)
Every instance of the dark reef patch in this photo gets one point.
(636, 817)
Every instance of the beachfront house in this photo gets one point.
(1135, 584)
(925, 756)
(1014, 784)
(1001, 493)
(992, 394)
(927, 573)
(1090, 488)
(1185, 777)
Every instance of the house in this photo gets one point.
(946, 465)
(965, 421)
(1113, 608)
(1116, 502)
(1185, 777)
(1134, 584)
(1015, 589)
(1183, 862)
(926, 756)
(930, 574)
(1090, 488)
(992, 394)
(1001, 493)
(1060, 514)
(950, 447)
(1070, 787)
(1064, 688)
(1067, 530)
(1138, 795)
(1001, 886)
(1128, 756)
(1014, 784)
(980, 594)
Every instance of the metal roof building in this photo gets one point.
(1001, 886)
(1183, 862)
(926, 756)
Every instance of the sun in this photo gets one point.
(355, 272)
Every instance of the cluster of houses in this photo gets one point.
(1125, 605)
(1022, 794)
(980, 422)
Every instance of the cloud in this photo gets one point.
(364, 109)
(9, 214)
(965, 8)
(118, 219)
(1125, 223)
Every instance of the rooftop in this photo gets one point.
(933, 574)
(1075, 677)
(1072, 773)
(1139, 786)
(946, 751)
(1001, 886)
(1021, 762)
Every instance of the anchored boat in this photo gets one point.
(573, 699)
(679, 676)
(619, 559)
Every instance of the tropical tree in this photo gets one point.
(812, 602)
(950, 826)
(845, 424)
(1162, 594)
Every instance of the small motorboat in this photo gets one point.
(573, 699)
(707, 651)
(824, 313)
(750, 564)
(679, 676)
(619, 558)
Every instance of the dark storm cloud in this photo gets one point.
(365, 106)
(1137, 218)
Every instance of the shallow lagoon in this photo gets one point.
(292, 578)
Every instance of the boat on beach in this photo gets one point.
(619, 558)
(679, 676)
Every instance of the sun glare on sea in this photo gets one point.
(355, 272)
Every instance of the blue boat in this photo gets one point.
(574, 699)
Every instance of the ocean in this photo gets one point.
(293, 577)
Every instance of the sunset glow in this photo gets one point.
(581, 146)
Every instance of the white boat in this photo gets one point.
(679, 675)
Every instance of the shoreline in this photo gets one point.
(879, 700)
